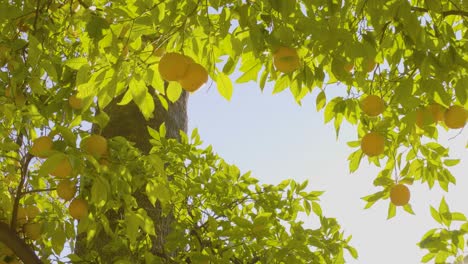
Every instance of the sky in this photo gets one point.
(276, 139)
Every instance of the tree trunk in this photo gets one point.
(128, 122)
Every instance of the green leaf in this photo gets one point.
(458, 217)
(391, 211)
(451, 162)
(224, 85)
(281, 84)
(408, 209)
(250, 74)
(76, 63)
(435, 215)
(99, 191)
(354, 160)
(174, 90)
(428, 257)
(316, 208)
(321, 100)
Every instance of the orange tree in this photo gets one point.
(144, 192)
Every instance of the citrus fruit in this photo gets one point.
(75, 102)
(158, 51)
(173, 66)
(372, 105)
(21, 216)
(348, 67)
(455, 117)
(32, 230)
(41, 146)
(373, 144)
(424, 117)
(32, 211)
(369, 65)
(66, 189)
(63, 169)
(399, 195)
(194, 78)
(20, 99)
(286, 60)
(437, 112)
(78, 208)
(95, 145)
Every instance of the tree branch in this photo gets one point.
(15, 243)
(443, 13)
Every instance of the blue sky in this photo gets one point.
(277, 139)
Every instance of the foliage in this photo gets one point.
(409, 53)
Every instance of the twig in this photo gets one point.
(443, 13)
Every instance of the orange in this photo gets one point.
(41, 146)
(455, 117)
(21, 216)
(437, 112)
(66, 189)
(349, 67)
(32, 211)
(194, 78)
(158, 52)
(173, 66)
(78, 208)
(424, 117)
(63, 169)
(20, 99)
(369, 65)
(373, 144)
(5, 251)
(75, 102)
(286, 60)
(95, 145)
(7, 92)
(372, 105)
(399, 195)
(32, 230)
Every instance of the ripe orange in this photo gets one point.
(194, 78)
(63, 169)
(78, 208)
(32, 230)
(95, 145)
(424, 117)
(41, 146)
(455, 117)
(373, 144)
(75, 102)
(399, 195)
(372, 105)
(173, 66)
(437, 112)
(286, 60)
(66, 189)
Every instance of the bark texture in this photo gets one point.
(11, 239)
(128, 122)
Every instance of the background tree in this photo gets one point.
(69, 64)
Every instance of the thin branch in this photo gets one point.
(9, 237)
(24, 172)
(443, 13)
(37, 190)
